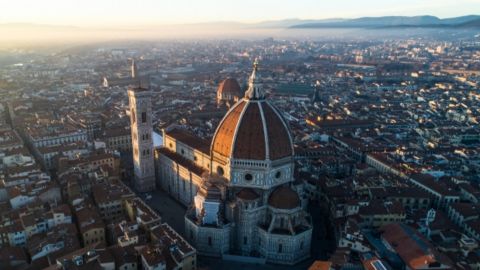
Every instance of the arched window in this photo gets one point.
(220, 170)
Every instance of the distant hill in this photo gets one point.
(470, 24)
(364, 22)
(396, 21)
(462, 19)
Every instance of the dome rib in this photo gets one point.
(265, 132)
(280, 145)
(249, 140)
(226, 131)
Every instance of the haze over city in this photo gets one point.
(74, 22)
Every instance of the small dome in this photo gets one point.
(247, 194)
(284, 198)
(229, 87)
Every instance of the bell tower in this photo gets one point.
(140, 106)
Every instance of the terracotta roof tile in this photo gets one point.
(189, 139)
(412, 247)
(250, 138)
(278, 139)
(222, 141)
(241, 133)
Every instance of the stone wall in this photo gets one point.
(209, 241)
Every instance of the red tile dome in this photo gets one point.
(253, 130)
(284, 198)
(247, 194)
(229, 87)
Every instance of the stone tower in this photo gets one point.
(140, 105)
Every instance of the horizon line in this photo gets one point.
(251, 22)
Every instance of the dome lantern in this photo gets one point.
(255, 90)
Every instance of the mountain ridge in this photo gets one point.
(468, 21)
(396, 21)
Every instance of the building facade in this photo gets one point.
(119, 139)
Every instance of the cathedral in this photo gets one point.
(242, 198)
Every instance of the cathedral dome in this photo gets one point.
(229, 88)
(284, 198)
(253, 129)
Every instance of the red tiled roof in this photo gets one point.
(250, 138)
(189, 139)
(222, 140)
(320, 265)
(412, 247)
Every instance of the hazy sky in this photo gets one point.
(141, 12)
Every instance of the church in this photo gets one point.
(240, 190)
